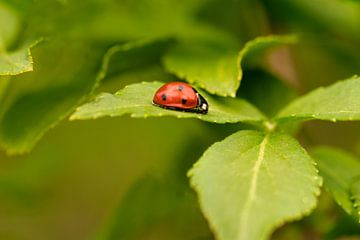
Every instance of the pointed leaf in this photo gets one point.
(18, 61)
(136, 99)
(66, 72)
(251, 182)
(338, 102)
(339, 170)
(15, 61)
(216, 66)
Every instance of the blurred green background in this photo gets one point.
(124, 178)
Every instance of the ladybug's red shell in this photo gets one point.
(180, 96)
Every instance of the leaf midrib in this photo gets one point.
(252, 190)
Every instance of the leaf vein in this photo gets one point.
(252, 190)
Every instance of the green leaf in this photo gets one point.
(4, 82)
(136, 99)
(18, 61)
(338, 102)
(335, 18)
(251, 182)
(135, 55)
(9, 26)
(217, 66)
(145, 19)
(66, 72)
(15, 61)
(339, 170)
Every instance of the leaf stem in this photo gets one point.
(269, 126)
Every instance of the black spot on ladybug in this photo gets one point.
(180, 88)
(183, 101)
(163, 97)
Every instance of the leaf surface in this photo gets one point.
(136, 99)
(18, 61)
(66, 72)
(337, 102)
(13, 62)
(340, 171)
(217, 66)
(251, 182)
(9, 25)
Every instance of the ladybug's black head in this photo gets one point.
(203, 106)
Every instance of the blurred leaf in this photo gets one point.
(136, 99)
(355, 195)
(66, 72)
(339, 169)
(344, 229)
(335, 18)
(263, 90)
(157, 210)
(217, 66)
(146, 19)
(9, 26)
(4, 82)
(18, 61)
(251, 182)
(12, 62)
(137, 55)
(245, 19)
(260, 44)
(338, 102)
(60, 18)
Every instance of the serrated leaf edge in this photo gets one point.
(29, 68)
(308, 117)
(295, 217)
(283, 39)
(259, 122)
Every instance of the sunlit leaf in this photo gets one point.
(13, 62)
(136, 100)
(251, 182)
(216, 66)
(18, 61)
(338, 102)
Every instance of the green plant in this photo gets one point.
(254, 180)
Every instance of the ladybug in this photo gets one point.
(180, 96)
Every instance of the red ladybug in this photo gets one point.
(181, 97)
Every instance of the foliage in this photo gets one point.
(63, 60)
